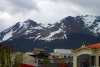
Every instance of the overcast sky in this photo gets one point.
(44, 11)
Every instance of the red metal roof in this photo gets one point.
(25, 65)
(97, 45)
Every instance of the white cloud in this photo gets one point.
(44, 11)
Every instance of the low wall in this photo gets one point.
(55, 65)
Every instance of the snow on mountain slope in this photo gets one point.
(48, 32)
(88, 20)
(53, 33)
(16, 29)
(91, 23)
(7, 36)
(37, 37)
(96, 29)
(48, 38)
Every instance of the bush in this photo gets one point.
(45, 61)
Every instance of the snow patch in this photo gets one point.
(65, 36)
(88, 21)
(37, 37)
(31, 38)
(62, 25)
(53, 33)
(44, 25)
(50, 37)
(7, 36)
(21, 24)
(38, 27)
(29, 31)
(96, 29)
(51, 26)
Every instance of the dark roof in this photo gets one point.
(36, 49)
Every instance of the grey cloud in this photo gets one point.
(86, 3)
(3, 5)
(28, 4)
(2, 25)
(46, 11)
(16, 6)
(85, 6)
(57, 0)
(89, 5)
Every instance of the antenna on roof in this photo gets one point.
(83, 44)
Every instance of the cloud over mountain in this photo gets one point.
(44, 11)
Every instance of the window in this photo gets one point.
(93, 61)
(64, 56)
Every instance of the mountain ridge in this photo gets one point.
(62, 31)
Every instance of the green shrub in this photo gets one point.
(45, 61)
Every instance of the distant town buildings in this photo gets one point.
(62, 53)
(38, 50)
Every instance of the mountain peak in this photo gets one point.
(87, 24)
(29, 21)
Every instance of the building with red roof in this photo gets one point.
(87, 56)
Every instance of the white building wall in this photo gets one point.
(81, 52)
(86, 51)
(74, 60)
(89, 52)
(97, 58)
(63, 51)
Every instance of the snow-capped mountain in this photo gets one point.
(31, 30)
(65, 29)
(92, 23)
(16, 29)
